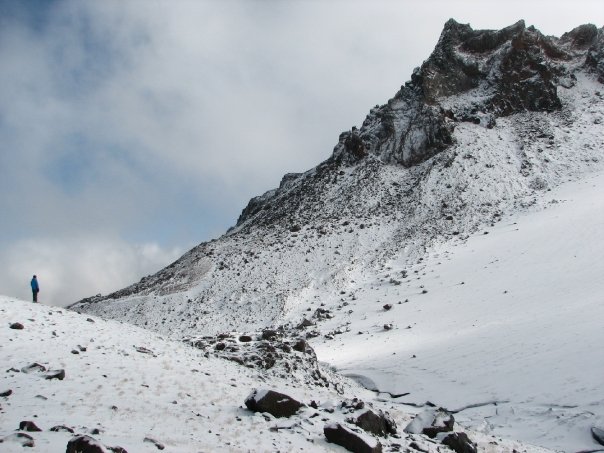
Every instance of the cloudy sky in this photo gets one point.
(131, 131)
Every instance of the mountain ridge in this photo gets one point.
(474, 134)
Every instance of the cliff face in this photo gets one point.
(487, 124)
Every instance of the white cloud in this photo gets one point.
(69, 270)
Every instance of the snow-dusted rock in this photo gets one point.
(85, 444)
(598, 434)
(22, 439)
(379, 424)
(275, 403)
(431, 422)
(357, 442)
(28, 425)
(459, 443)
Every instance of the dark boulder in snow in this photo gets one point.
(460, 443)
(61, 428)
(17, 326)
(155, 442)
(598, 435)
(302, 346)
(245, 338)
(28, 425)
(269, 334)
(85, 444)
(55, 374)
(8, 393)
(345, 437)
(379, 424)
(33, 368)
(275, 403)
(431, 422)
(25, 440)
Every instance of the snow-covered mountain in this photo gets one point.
(486, 131)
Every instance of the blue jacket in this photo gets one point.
(34, 285)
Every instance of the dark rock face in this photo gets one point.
(460, 443)
(85, 444)
(275, 403)
(595, 55)
(28, 425)
(518, 64)
(350, 440)
(379, 424)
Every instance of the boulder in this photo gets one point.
(431, 422)
(55, 374)
(460, 443)
(379, 424)
(33, 368)
(7, 393)
(345, 437)
(28, 425)
(85, 444)
(155, 442)
(61, 429)
(598, 435)
(17, 326)
(275, 403)
(245, 338)
(25, 440)
(269, 334)
(302, 346)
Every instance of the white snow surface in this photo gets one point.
(131, 384)
(511, 321)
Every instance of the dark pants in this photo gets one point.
(35, 296)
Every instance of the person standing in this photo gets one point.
(35, 288)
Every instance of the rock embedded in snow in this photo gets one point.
(302, 345)
(33, 368)
(6, 393)
(344, 436)
(379, 424)
(55, 374)
(460, 443)
(25, 440)
(85, 444)
(17, 326)
(62, 428)
(598, 435)
(28, 425)
(431, 422)
(155, 442)
(275, 403)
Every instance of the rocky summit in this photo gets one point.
(489, 122)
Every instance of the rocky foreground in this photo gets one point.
(76, 383)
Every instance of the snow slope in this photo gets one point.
(397, 216)
(511, 319)
(130, 385)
